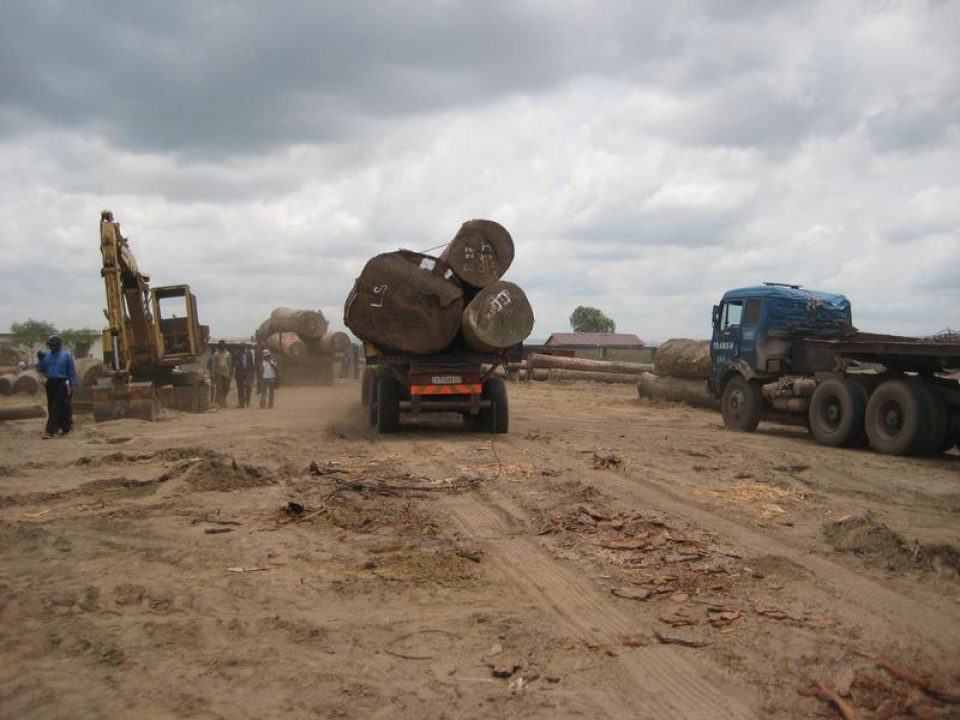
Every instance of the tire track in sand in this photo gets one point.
(665, 682)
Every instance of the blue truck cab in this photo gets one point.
(755, 330)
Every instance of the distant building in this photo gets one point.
(600, 346)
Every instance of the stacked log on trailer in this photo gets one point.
(411, 303)
(680, 372)
(303, 344)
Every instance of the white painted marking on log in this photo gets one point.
(380, 290)
(501, 300)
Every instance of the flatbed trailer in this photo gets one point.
(395, 384)
(786, 354)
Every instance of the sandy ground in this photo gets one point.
(608, 558)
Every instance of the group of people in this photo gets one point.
(242, 366)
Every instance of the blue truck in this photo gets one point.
(782, 352)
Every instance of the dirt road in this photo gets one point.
(608, 558)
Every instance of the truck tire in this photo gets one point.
(837, 413)
(741, 404)
(366, 386)
(895, 418)
(935, 410)
(495, 389)
(388, 404)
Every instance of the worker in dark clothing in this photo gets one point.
(243, 371)
(61, 373)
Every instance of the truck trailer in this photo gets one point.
(464, 383)
(782, 352)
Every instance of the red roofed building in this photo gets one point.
(601, 346)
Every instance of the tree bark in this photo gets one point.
(6, 383)
(22, 413)
(498, 317)
(570, 363)
(691, 392)
(306, 323)
(288, 344)
(480, 252)
(28, 382)
(590, 376)
(683, 358)
(332, 343)
(405, 302)
(88, 370)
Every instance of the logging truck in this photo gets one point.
(781, 352)
(461, 383)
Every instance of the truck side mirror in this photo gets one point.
(716, 316)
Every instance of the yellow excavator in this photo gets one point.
(151, 335)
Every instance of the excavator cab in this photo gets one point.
(152, 333)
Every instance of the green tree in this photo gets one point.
(31, 333)
(79, 341)
(590, 319)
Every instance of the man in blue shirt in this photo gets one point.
(61, 373)
(243, 372)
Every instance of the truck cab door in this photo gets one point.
(727, 335)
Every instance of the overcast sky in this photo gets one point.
(644, 156)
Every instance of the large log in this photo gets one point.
(28, 382)
(498, 317)
(306, 323)
(572, 363)
(288, 344)
(590, 376)
(691, 392)
(23, 412)
(683, 358)
(6, 383)
(333, 343)
(405, 302)
(88, 371)
(9, 369)
(480, 252)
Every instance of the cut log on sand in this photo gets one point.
(88, 371)
(287, 344)
(9, 370)
(588, 376)
(691, 392)
(306, 323)
(683, 358)
(22, 413)
(28, 382)
(6, 383)
(570, 363)
(406, 302)
(480, 253)
(332, 343)
(498, 317)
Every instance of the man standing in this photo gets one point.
(243, 372)
(222, 372)
(61, 373)
(269, 379)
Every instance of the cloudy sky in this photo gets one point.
(644, 156)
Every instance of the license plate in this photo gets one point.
(446, 379)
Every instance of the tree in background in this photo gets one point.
(590, 319)
(79, 341)
(32, 333)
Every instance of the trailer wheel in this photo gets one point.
(836, 413)
(495, 389)
(894, 418)
(935, 410)
(741, 404)
(388, 404)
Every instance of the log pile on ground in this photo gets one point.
(557, 368)
(303, 344)
(410, 303)
(680, 373)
